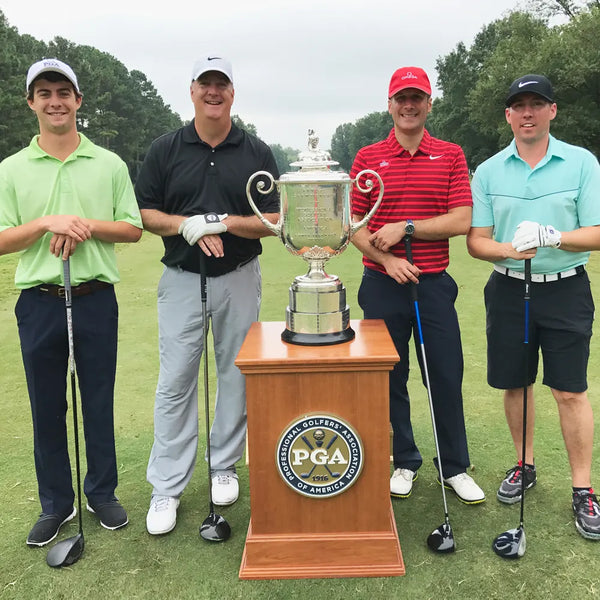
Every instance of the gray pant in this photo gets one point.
(233, 304)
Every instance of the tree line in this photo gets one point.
(123, 111)
(474, 82)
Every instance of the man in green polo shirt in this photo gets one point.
(64, 197)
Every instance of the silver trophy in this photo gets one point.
(315, 223)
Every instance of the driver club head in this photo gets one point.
(66, 552)
(510, 544)
(215, 528)
(442, 539)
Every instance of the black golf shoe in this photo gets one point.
(111, 514)
(47, 527)
(510, 488)
(587, 514)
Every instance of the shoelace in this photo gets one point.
(223, 479)
(591, 503)
(515, 473)
(161, 504)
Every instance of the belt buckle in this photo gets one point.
(60, 292)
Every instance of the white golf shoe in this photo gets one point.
(465, 488)
(225, 488)
(401, 483)
(162, 516)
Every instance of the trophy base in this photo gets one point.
(318, 339)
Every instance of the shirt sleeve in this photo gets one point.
(459, 193)
(361, 203)
(483, 215)
(9, 213)
(125, 207)
(149, 186)
(588, 203)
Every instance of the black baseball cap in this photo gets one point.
(534, 84)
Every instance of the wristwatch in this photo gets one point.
(409, 228)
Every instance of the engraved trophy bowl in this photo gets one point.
(315, 223)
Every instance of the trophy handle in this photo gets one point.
(354, 227)
(276, 229)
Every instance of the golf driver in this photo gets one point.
(66, 552)
(442, 539)
(214, 528)
(512, 543)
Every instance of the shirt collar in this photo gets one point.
(554, 150)
(85, 148)
(190, 135)
(397, 149)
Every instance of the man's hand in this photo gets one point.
(69, 225)
(400, 269)
(530, 234)
(62, 244)
(387, 236)
(197, 226)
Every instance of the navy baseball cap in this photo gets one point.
(533, 84)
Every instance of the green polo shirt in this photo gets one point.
(92, 183)
(562, 190)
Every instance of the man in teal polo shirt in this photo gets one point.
(62, 197)
(538, 199)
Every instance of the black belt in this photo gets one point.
(83, 289)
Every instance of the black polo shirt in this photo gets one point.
(182, 175)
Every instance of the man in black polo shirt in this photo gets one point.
(191, 191)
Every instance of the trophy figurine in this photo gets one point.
(315, 223)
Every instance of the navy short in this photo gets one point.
(561, 314)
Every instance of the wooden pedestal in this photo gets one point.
(290, 535)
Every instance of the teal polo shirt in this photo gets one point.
(92, 183)
(562, 190)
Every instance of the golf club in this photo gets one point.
(66, 552)
(442, 539)
(512, 543)
(214, 528)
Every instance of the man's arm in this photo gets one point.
(20, 237)
(455, 222)
(481, 244)
(250, 227)
(397, 268)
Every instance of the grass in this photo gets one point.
(131, 564)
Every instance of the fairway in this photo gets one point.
(131, 564)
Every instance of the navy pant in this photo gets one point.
(381, 297)
(44, 345)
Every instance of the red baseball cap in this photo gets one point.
(409, 77)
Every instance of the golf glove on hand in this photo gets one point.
(193, 228)
(533, 235)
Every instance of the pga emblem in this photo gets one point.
(319, 456)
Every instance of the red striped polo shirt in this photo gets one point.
(425, 185)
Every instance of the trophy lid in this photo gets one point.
(314, 164)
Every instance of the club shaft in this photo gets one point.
(525, 385)
(415, 299)
(205, 326)
(68, 306)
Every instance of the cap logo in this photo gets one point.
(214, 58)
(409, 75)
(50, 63)
(524, 83)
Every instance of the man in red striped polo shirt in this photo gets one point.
(426, 195)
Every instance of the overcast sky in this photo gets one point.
(296, 64)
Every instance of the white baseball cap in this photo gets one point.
(212, 62)
(47, 65)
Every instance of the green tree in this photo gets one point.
(283, 157)
(349, 138)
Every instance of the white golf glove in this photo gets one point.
(530, 234)
(193, 228)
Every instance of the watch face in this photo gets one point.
(409, 228)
